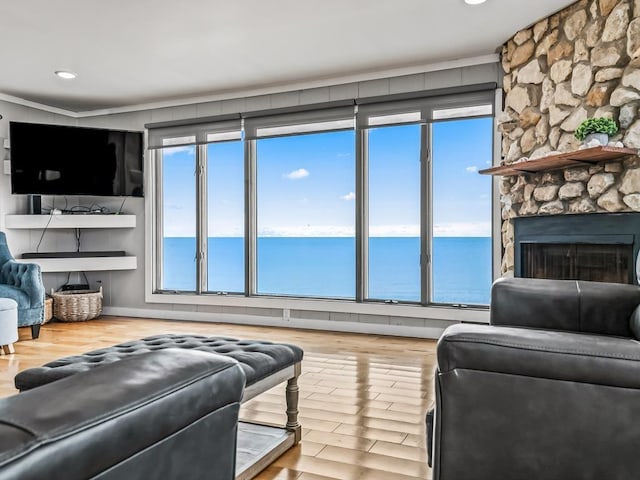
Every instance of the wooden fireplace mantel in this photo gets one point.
(588, 156)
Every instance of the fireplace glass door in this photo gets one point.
(575, 261)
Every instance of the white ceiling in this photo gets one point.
(132, 52)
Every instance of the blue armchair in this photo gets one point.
(22, 282)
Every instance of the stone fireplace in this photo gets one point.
(581, 62)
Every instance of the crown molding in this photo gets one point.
(37, 105)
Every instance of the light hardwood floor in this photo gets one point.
(363, 398)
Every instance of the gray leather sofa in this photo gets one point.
(550, 390)
(168, 414)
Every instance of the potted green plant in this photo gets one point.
(596, 129)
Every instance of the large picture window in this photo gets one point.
(306, 215)
(461, 211)
(179, 218)
(225, 217)
(394, 213)
(381, 202)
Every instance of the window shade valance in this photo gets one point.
(342, 118)
(426, 110)
(365, 113)
(174, 136)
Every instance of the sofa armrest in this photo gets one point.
(96, 421)
(519, 403)
(592, 307)
(568, 356)
(26, 277)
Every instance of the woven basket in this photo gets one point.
(48, 309)
(77, 305)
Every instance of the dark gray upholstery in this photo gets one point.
(168, 414)
(634, 323)
(557, 399)
(258, 359)
(549, 354)
(577, 306)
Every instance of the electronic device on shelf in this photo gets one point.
(100, 253)
(74, 286)
(56, 211)
(35, 204)
(65, 160)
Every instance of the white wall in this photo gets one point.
(125, 290)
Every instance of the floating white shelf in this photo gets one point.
(81, 264)
(70, 221)
(84, 264)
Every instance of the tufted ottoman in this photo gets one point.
(265, 365)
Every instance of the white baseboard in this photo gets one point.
(304, 323)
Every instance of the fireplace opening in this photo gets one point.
(600, 247)
(571, 261)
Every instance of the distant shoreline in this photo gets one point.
(338, 236)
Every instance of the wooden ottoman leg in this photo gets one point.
(8, 349)
(292, 395)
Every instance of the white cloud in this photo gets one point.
(412, 230)
(179, 224)
(471, 229)
(349, 196)
(184, 228)
(174, 150)
(226, 231)
(297, 174)
(338, 231)
(472, 169)
(308, 231)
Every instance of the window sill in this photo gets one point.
(476, 314)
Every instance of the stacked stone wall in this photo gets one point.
(580, 63)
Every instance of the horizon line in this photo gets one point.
(331, 236)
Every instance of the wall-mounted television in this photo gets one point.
(64, 160)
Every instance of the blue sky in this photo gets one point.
(462, 197)
(306, 183)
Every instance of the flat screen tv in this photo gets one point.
(63, 160)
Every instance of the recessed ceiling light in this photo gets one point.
(66, 74)
(474, 2)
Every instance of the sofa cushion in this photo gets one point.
(578, 306)
(634, 323)
(576, 357)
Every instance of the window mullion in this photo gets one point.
(362, 214)
(201, 218)
(426, 214)
(496, 214)
(159, 220)
(250, 217)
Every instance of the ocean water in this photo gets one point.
(324, 267)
